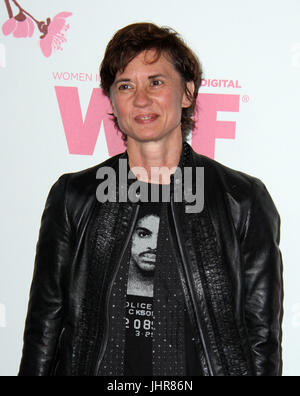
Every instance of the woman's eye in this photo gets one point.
(157, 82)
(124, 87)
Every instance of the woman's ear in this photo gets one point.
(112, 107)
(188, 95)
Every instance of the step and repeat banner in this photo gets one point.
(54, 119)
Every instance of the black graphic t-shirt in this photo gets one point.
(139, 333)
(139, 303)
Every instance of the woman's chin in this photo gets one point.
(145, 136)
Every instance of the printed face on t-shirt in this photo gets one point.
(144, 243)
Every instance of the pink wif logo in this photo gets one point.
(82, 134)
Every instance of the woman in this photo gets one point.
(217, 283)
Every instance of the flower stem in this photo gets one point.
(9, 10)
(42, 26)
(25, 12)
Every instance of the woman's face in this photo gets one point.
(147, 98)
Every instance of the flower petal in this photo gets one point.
(9, 26)
(58, 22)
(63, 15)
(56, 26)
(30, 27)
(21, 30)
(46, 46)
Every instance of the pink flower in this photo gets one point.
(19, 28)
(56, 34)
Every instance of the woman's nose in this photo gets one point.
(142, 98)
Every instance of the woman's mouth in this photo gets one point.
(146, 118)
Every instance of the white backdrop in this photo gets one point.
(249, 49)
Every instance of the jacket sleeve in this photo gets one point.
(263, 282)
(44, 317)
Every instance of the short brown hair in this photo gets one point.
(130, 41)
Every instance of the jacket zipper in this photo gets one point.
(104, 344)
(189, 282)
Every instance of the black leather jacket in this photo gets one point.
(247, 228)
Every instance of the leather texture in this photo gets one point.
(246, 229)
